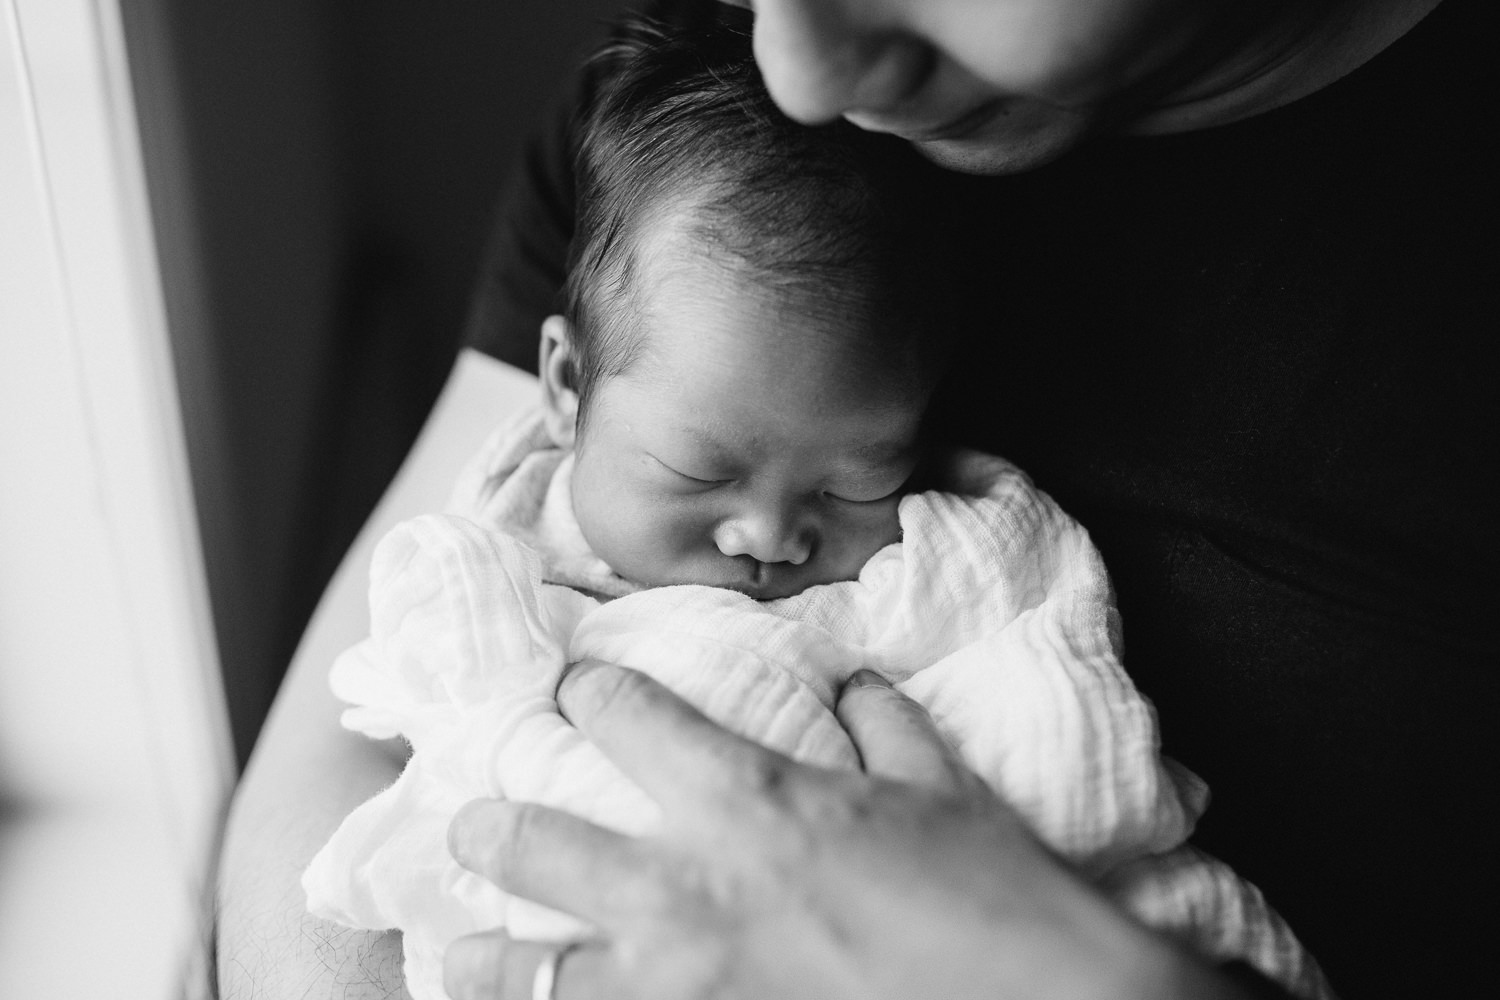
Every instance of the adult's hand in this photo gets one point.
(775, 879)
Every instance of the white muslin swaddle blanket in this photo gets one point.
(993, 611)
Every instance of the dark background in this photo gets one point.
(322, 173)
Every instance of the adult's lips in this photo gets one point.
(914, 129)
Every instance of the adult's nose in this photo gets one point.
(768, 532)
(821, 58)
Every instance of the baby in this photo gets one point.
(746, 358)
(725, 487)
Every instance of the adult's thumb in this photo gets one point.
(895, 736)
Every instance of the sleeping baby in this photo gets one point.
(727, 486)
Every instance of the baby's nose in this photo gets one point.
(774, 535)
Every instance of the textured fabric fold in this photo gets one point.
(994, 612)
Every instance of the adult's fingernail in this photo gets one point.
(868, 678)
(475, 830)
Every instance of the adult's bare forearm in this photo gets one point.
(307, 772)
(270, 947)
(305, 776)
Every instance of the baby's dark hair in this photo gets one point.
(681, 118)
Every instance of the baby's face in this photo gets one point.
(744, 447)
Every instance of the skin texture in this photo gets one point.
(751, 445)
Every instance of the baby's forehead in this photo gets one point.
(680, 263)
(686, 303)
(701, 314)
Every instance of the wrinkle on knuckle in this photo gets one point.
(918, 721)
(601, 690)
(837, 809)
(765, 775)
(519, 843)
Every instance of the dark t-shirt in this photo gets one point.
(1255, 362)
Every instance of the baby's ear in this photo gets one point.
(559, 393)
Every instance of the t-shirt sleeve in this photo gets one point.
(525, 257)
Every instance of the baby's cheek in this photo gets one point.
(619, 531)
(642, 538)
(866, 531)
(883, 525)
(607, 519)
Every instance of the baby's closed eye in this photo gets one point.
(868, 485)
(704, 478)
(853, 496)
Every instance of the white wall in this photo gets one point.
(114, 754)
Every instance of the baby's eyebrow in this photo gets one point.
(706, 439)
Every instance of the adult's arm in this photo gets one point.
(777, 879)
(307, 772)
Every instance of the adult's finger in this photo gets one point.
(559, 860)
(675, 753)
(495, 966)
(896, 738)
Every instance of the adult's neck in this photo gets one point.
(1305, 47)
